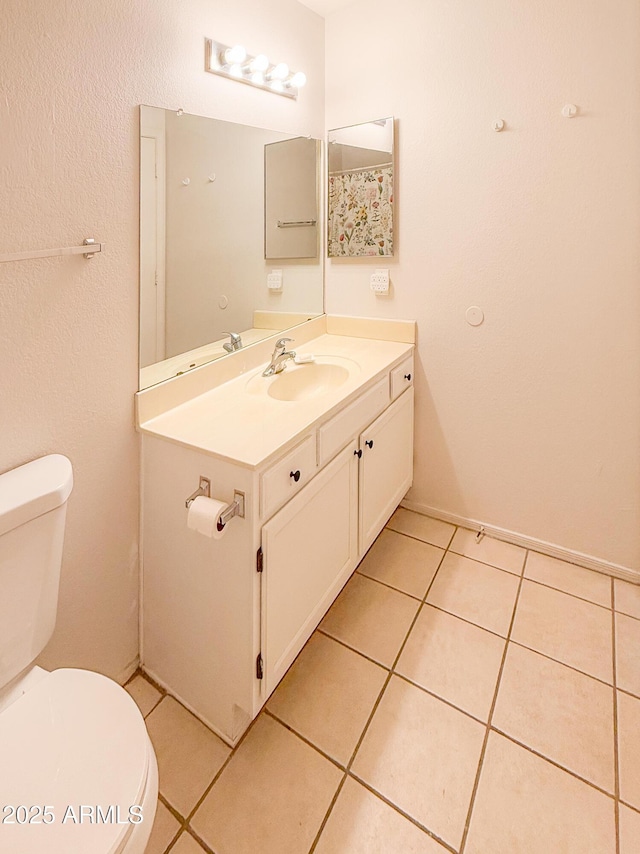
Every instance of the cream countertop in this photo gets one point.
(234, 423)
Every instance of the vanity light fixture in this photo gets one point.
(236, 64)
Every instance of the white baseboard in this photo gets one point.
(527, 542)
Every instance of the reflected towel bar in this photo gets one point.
(303, 222)
(89, 248)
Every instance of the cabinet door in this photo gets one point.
(386, 467)
(309, 551)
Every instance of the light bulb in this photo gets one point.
(258, 78)
(236, 70)
(298, 80)
(234, 55)
(279, 72)
(259, 63)
(277, 85)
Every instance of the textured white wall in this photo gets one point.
(530, 422)
(71, 77)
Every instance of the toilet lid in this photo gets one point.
(76, 744)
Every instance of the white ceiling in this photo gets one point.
(326, 7)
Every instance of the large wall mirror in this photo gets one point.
(360, 204)
(221, 206)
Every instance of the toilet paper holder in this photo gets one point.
(204, 488)
(236, 508)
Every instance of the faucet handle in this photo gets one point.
(235, 336)
(282, 342)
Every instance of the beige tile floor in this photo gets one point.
(458, 696)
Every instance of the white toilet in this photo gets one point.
(77, 769)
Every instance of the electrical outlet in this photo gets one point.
(380, 281)
(274, 280)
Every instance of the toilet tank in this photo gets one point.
(33, 501)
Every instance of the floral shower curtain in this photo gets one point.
(360, 212)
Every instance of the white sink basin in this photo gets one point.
(306, 381)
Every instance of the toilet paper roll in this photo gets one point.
(203, 515)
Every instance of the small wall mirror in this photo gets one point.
(211, 195)
(361, 178)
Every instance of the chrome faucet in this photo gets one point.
(234, 344)
(280, 356)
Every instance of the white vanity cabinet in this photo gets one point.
(224, 619)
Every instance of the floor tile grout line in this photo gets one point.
(628, 693)
(616, 755)
(559, 661)
(567, 593)
(204, 845)
(159, 688)
(218, 773)
(409, 537)
(401, 812)
(419, 539)
(635, 809)
(463, 619)
(306, 740)
(386, 584)
(174, 812)
(327, 815)
(188, 832)
(630, 616)
(553, 762)
(372, 713)
(476, 783)
(351, 759)
(438, 697)
(485, 563)
(326, 634)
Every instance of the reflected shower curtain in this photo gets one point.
(360, 212)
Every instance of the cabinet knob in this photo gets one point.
(357, 453)
(369, 443)
(407, 377)
(295, 475)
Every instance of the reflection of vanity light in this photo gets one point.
(234, 63)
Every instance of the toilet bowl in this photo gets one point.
(77, 769)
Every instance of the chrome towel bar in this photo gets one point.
(89, 248)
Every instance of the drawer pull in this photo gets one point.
(357, 453)
(369, 443)
(407, 377)
(295, 475)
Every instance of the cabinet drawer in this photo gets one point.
(279, 483)
(401, 377)
(335, 434)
